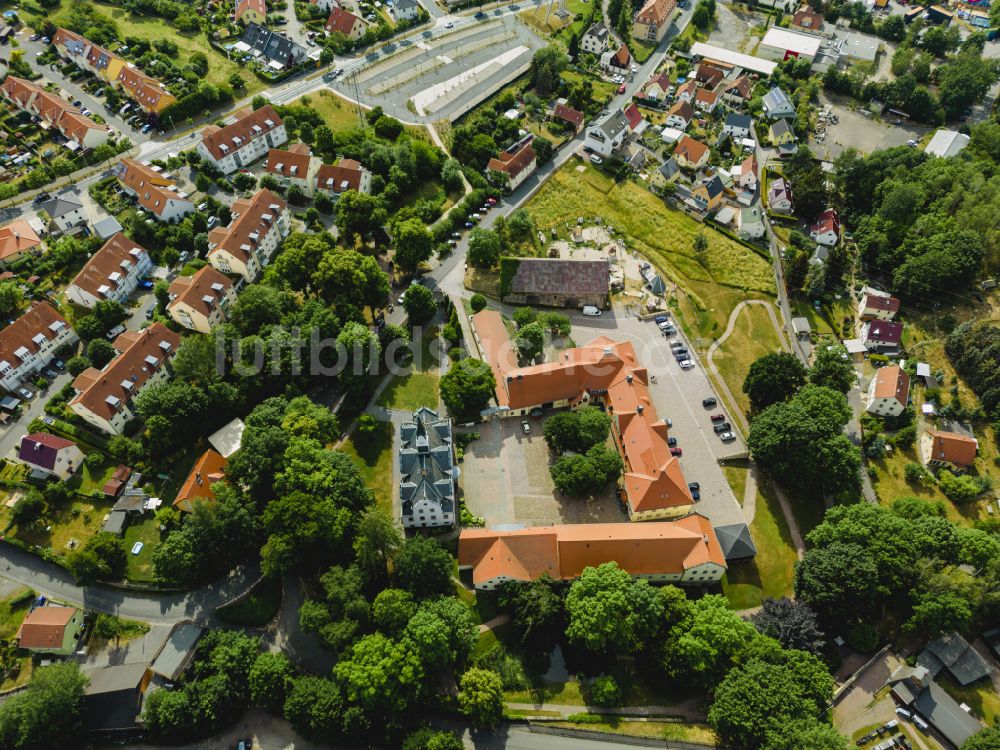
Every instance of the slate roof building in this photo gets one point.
(280, 51)
(112, 701)
(176, 652)
(427, 471)
(608, 135)
(65, 212)
(736, 543)
(953, 654)
(915, 689)
(557, 282)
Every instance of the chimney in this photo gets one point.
(628, 379)
(638, 409)
(197, 477)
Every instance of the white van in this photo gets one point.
(591, 310)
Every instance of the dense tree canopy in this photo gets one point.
(773, 378)
(578, 430)
(792, 623)
(48, 713)
(467, 388)
(608, 609)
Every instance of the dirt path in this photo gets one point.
(689, 710)
(494, 623)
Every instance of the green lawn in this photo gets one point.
(753, 336)
(737, 478)
(152, 28)
(663, 730)
(373, 456)
(76, 520)
(418, 387)
(258, 608)
(339, 114)
(710, 285)
(140, 567)
(93, 478)
(12, 611)
(980, 696)
(770, 573)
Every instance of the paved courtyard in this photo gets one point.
(505, 478)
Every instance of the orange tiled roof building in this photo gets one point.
(601, 372)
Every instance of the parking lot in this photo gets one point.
(866, 134)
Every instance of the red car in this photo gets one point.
(718, 417)
(621, 89)
(676, 452)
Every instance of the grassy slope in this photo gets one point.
(752, 337)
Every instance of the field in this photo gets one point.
(753, 336)
(536, 18)
(149, 27)
(140, 567)
(373, 456)
(419, 386)
(709, 287)
(13, 609)
(336, 112)
(980, 696)
(770, 572)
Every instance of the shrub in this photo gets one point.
(604, 691)
(478, 302)
(863, 637)
(915, 473)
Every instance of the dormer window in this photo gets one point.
(114, 277)
(22, 353)
(39, 338)
(127, 385)
(224, 148)
(208, 299)
(113, 401)
(151, 360)
(57, 326)
(217, 287)
(275, 207)
(269, 123)
(279, 166)
(165, 346)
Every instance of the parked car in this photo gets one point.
(695, 495)
(661, 319)
(676, 345)
(727, 436)
(59, 364)
(525, 427)
(595, 159)
(718, 417)
(49, 373)
(26, 394)
(671, 441)
(150, 311)
(114, 332)
(676, 451)
(694, 486)
(687, 364)
(722, 427)
(708, 403)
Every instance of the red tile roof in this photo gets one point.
(341, 21)
(151, 188)
(692, 150)
(16, 238)
(346, 175)
(740, 87)
(67, 119)
(242, 6)
(40, 319)
(249, 124)
(45, 627)
(573, 116)
(892, 382)
(288, 163)
(633, 115)
(117, 256)
(202, 291)
(655, 12)
(878, 302)
(682, 109)
(512, 164)
(827, 221)
(256, 217)
(953, 447)
(207, 470)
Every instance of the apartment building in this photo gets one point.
(347, 174)
(249, 138)
(199, 302)
(105, 399)
(295, 166)
(653, 20)
(157, 194)
(112, 273)
(249, 242)
(148, 92)
(59, 114)
(31, 342)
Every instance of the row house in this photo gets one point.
(31, 342)
(148, 92)
(68, 120)
(112, 273)
(199, 302)
(154, 192)
(247, 245)
(298, 167)
(105, 398)
(244, 141)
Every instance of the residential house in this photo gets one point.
(737, 92)
(406, 10)
(427, 471)
(777, 105)
(878, 307)
(888, 392)
(296, 166)
(914, 689)
(325, 5)
(17, 240)
(608, 134)
(708, 76)
(687, 90)
(105, 398)
(68, 120)
(708, 195)
(512, 167)
(941, 449)
(658, 87)
(347, 174)
(954, 655)
(751, 223)
(882, 336)
(31, 342)
(251, 11)
(619, 59)
(781, 133)
(572, 117)
(606, 373)
(745, 174)
(243, 141)
(51, 629)
(50, 454)
(652, 21)
(199, 302)
(346, 23)
(668, 172)
(157, 194)
(595, 40)
(680, 115)
(682, 551)
(249, 242)
(636, 123)
(808, 21)
(779, 196)
(207, 471)
(705, 100)
(64, 211)
(826, 230)
(945, 143)
(147, 92)
(280, 52)
(559, 282)
(112, 273)
(691, 154)
(112, 700)
(737, 126)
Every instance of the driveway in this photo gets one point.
(11, 436)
